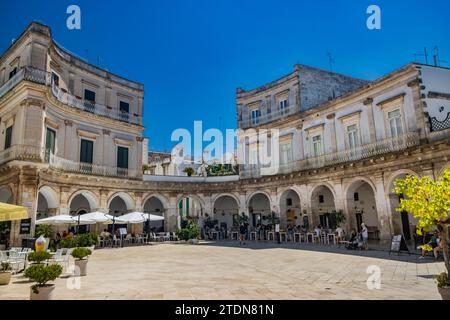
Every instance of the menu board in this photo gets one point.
(25, 226)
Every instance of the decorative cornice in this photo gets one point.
(438, 95)
(123, 142)
(33, 102)
(368, 101)
(139, 139)
(87, 134)
(331, 116)
(51, 123)
(350, 115)
(106, 132)
(413, 83)
(391, 99)
(68, 123)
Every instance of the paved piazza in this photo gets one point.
(256, 271)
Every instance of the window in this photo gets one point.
(122, 160)
(86, 152)
(8, 137)
(13, 72)
(356, 196)
(124, 108)
(255, 114)
(352, 136)
(285, 153)
(89, 100)
(395, 123)
(321, 198)
(317, 145)
(50, 140)
(289, 202)
(283, 106)
(55, 79)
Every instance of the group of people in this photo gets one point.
(436, 245)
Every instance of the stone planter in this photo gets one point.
(193, 241)
(5, 278)
(82, 265)
(45, 293)
(444, 292)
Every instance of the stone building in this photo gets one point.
(71, 141)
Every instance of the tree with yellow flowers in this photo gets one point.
(428, 201)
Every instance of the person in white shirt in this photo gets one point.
(317, 231)
(365, 236)
(339, 232)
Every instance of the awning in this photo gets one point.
(9, 212)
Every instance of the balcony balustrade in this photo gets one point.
(44, 77)
(378, 148)
(275, 115)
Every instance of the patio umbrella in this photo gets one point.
(64, 219)
(101, 217)
(133, 217)
(9, 212)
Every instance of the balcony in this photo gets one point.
(378, 148)
(44, 77)
(273, 116)
(22, 153)
(66, 165)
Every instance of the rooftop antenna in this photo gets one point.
(424, 54)
(436, 59)
(330, 61)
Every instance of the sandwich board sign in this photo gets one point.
(398, 244)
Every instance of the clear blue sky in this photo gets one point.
(192, 55)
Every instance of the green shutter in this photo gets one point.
(86, 152)
(50, 140)
(8, 137)
(122, 157)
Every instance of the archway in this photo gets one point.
(82, 202)
(322, 202)
(361, 205)
(290, 208)
(154, 206)
(403, 223)
(47, 204)
(190, 208)
(226, 209)
(259, 209)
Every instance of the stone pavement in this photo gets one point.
(256, 271)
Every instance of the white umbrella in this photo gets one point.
(101, 217)
(153, 217)
(63, 219)
(133, 217)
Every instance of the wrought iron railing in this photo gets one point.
(66, 165)
(263, 119)
(381, 147)
(44, 77)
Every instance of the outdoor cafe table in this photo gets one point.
(283, 234)
(298, 235)
(270, 233)
(253, 235)
(331, 236)
(308, 235)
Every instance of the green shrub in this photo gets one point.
(5, 267)
(81, 253)
(41, 274)
(191, 231)
(69, 242)
(442, 280)
(39, 256)
(44, 230)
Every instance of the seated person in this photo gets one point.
(105, 234)
(434, 243)
(353, 241)
(317, 231)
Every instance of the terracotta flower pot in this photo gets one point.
(82, 265)
(5, 278)
(444, 292)
(45, 293)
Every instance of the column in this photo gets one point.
(369, 109)
(383, 209)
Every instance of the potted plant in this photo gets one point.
(5, 273)
(190, 233)
(429, 202)
(80, 254)
(189, 171)
(41, 274)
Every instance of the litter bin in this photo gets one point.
(28, 243)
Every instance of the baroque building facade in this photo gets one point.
(312, 142)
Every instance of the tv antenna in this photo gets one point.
(436, 60)
(424, 54)
(330, 60)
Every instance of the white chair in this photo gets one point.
(174, 236)
(18, 261)
(3, 256)
(167, 237)
(115, 241)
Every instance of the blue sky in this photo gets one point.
(192, 55)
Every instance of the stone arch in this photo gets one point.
(220, 195)
(225, 208)
(125, 197)
(402, 222)
(192, 206)
(360, 201)
(164, 201)
(47, 202)
(6, 194)
(91, 198)
(323, 200)
(156, 205)
(290, 203)
(258, 210)
(251, 195)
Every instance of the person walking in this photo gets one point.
(365, 236)
(242, 233)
